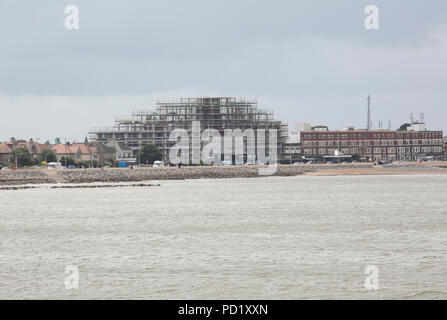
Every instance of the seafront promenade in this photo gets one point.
(42, 176)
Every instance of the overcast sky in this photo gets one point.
(309, 61)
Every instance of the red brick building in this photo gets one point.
(373, 145)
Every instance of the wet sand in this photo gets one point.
(401, 168)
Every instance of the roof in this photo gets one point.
(74, 148)
(105, 149)
(32, 147)
(4, 148)
(117, 145)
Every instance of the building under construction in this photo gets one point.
(219, 113)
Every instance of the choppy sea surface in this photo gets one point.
(264, 238)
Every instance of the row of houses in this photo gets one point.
(375, 145)
(34, 148)
(411, 143)
(80, 152)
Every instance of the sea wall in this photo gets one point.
(24, 177)
(141, 174)
(173, 173)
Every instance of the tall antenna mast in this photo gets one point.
(369, 121)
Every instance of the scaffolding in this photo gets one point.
(154, 126)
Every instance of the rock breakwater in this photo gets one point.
(149, 173)
(24, 177)
(143, 174)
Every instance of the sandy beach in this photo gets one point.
(397, 168)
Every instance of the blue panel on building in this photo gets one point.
(122, 164)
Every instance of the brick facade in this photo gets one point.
(375, 145)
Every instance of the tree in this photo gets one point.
(48, 156)
(88, 164)
(67, 161)
(148, 154)
(22, 156)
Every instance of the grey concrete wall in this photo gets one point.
(12, 178)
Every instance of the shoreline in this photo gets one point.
(115, 175)
(379, 171)
(77, 186)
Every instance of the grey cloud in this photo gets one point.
(134, 41)
(289, 53)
